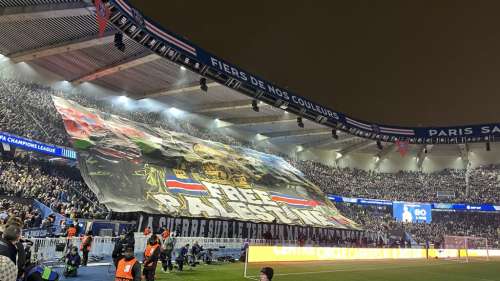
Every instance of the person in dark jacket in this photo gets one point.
(73, 261)
(182, 256)
(266, 274)
(127, 267)
(8, 241)
(21, 253)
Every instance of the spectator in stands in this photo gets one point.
(21, 253)
(10, 237)
(8, 270)
(127, 267)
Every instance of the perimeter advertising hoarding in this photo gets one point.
(412, 212)
(133, 167)
(287, 254)
(291, 254)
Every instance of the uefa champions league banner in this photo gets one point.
(133, 167)
(167, 44)
(40, 147)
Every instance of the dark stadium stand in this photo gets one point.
(62, 189)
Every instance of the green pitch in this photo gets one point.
(418, 270)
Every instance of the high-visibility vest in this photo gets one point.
(84, 240)
(71, 232)
(149, 251)
(124, 270)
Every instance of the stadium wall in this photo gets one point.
(290, 254)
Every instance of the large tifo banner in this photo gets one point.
(214, 228)
(412, 212)
(134, 167)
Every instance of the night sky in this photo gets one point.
(415, 63)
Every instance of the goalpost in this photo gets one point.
(466, 248)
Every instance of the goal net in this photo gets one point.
(466, 248)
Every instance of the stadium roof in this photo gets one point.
(61, 36)
(390, 62)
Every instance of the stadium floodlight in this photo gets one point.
(299, 122)
(203, 84)
(379, 145)
(119, 41)
(255, 107)
(334, 134)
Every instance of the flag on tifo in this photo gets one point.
(185, 186)
(102, 15)
(402, 147)
(294, 201)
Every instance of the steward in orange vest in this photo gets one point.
(71, 232)
(128, 268)
(151, 256)
(85, 247)
(165, 234)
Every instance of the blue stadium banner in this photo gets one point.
(466, 207)
(165, 43)
(434, 206)
(362, 201)
(37, 146)
(412, 212)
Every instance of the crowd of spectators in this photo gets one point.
(484, 186)
(50, 184)
(27, 110)
(380, 219)
(10, 207)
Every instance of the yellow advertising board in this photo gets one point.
(285, 254)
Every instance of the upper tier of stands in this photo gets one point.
(27, 110)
